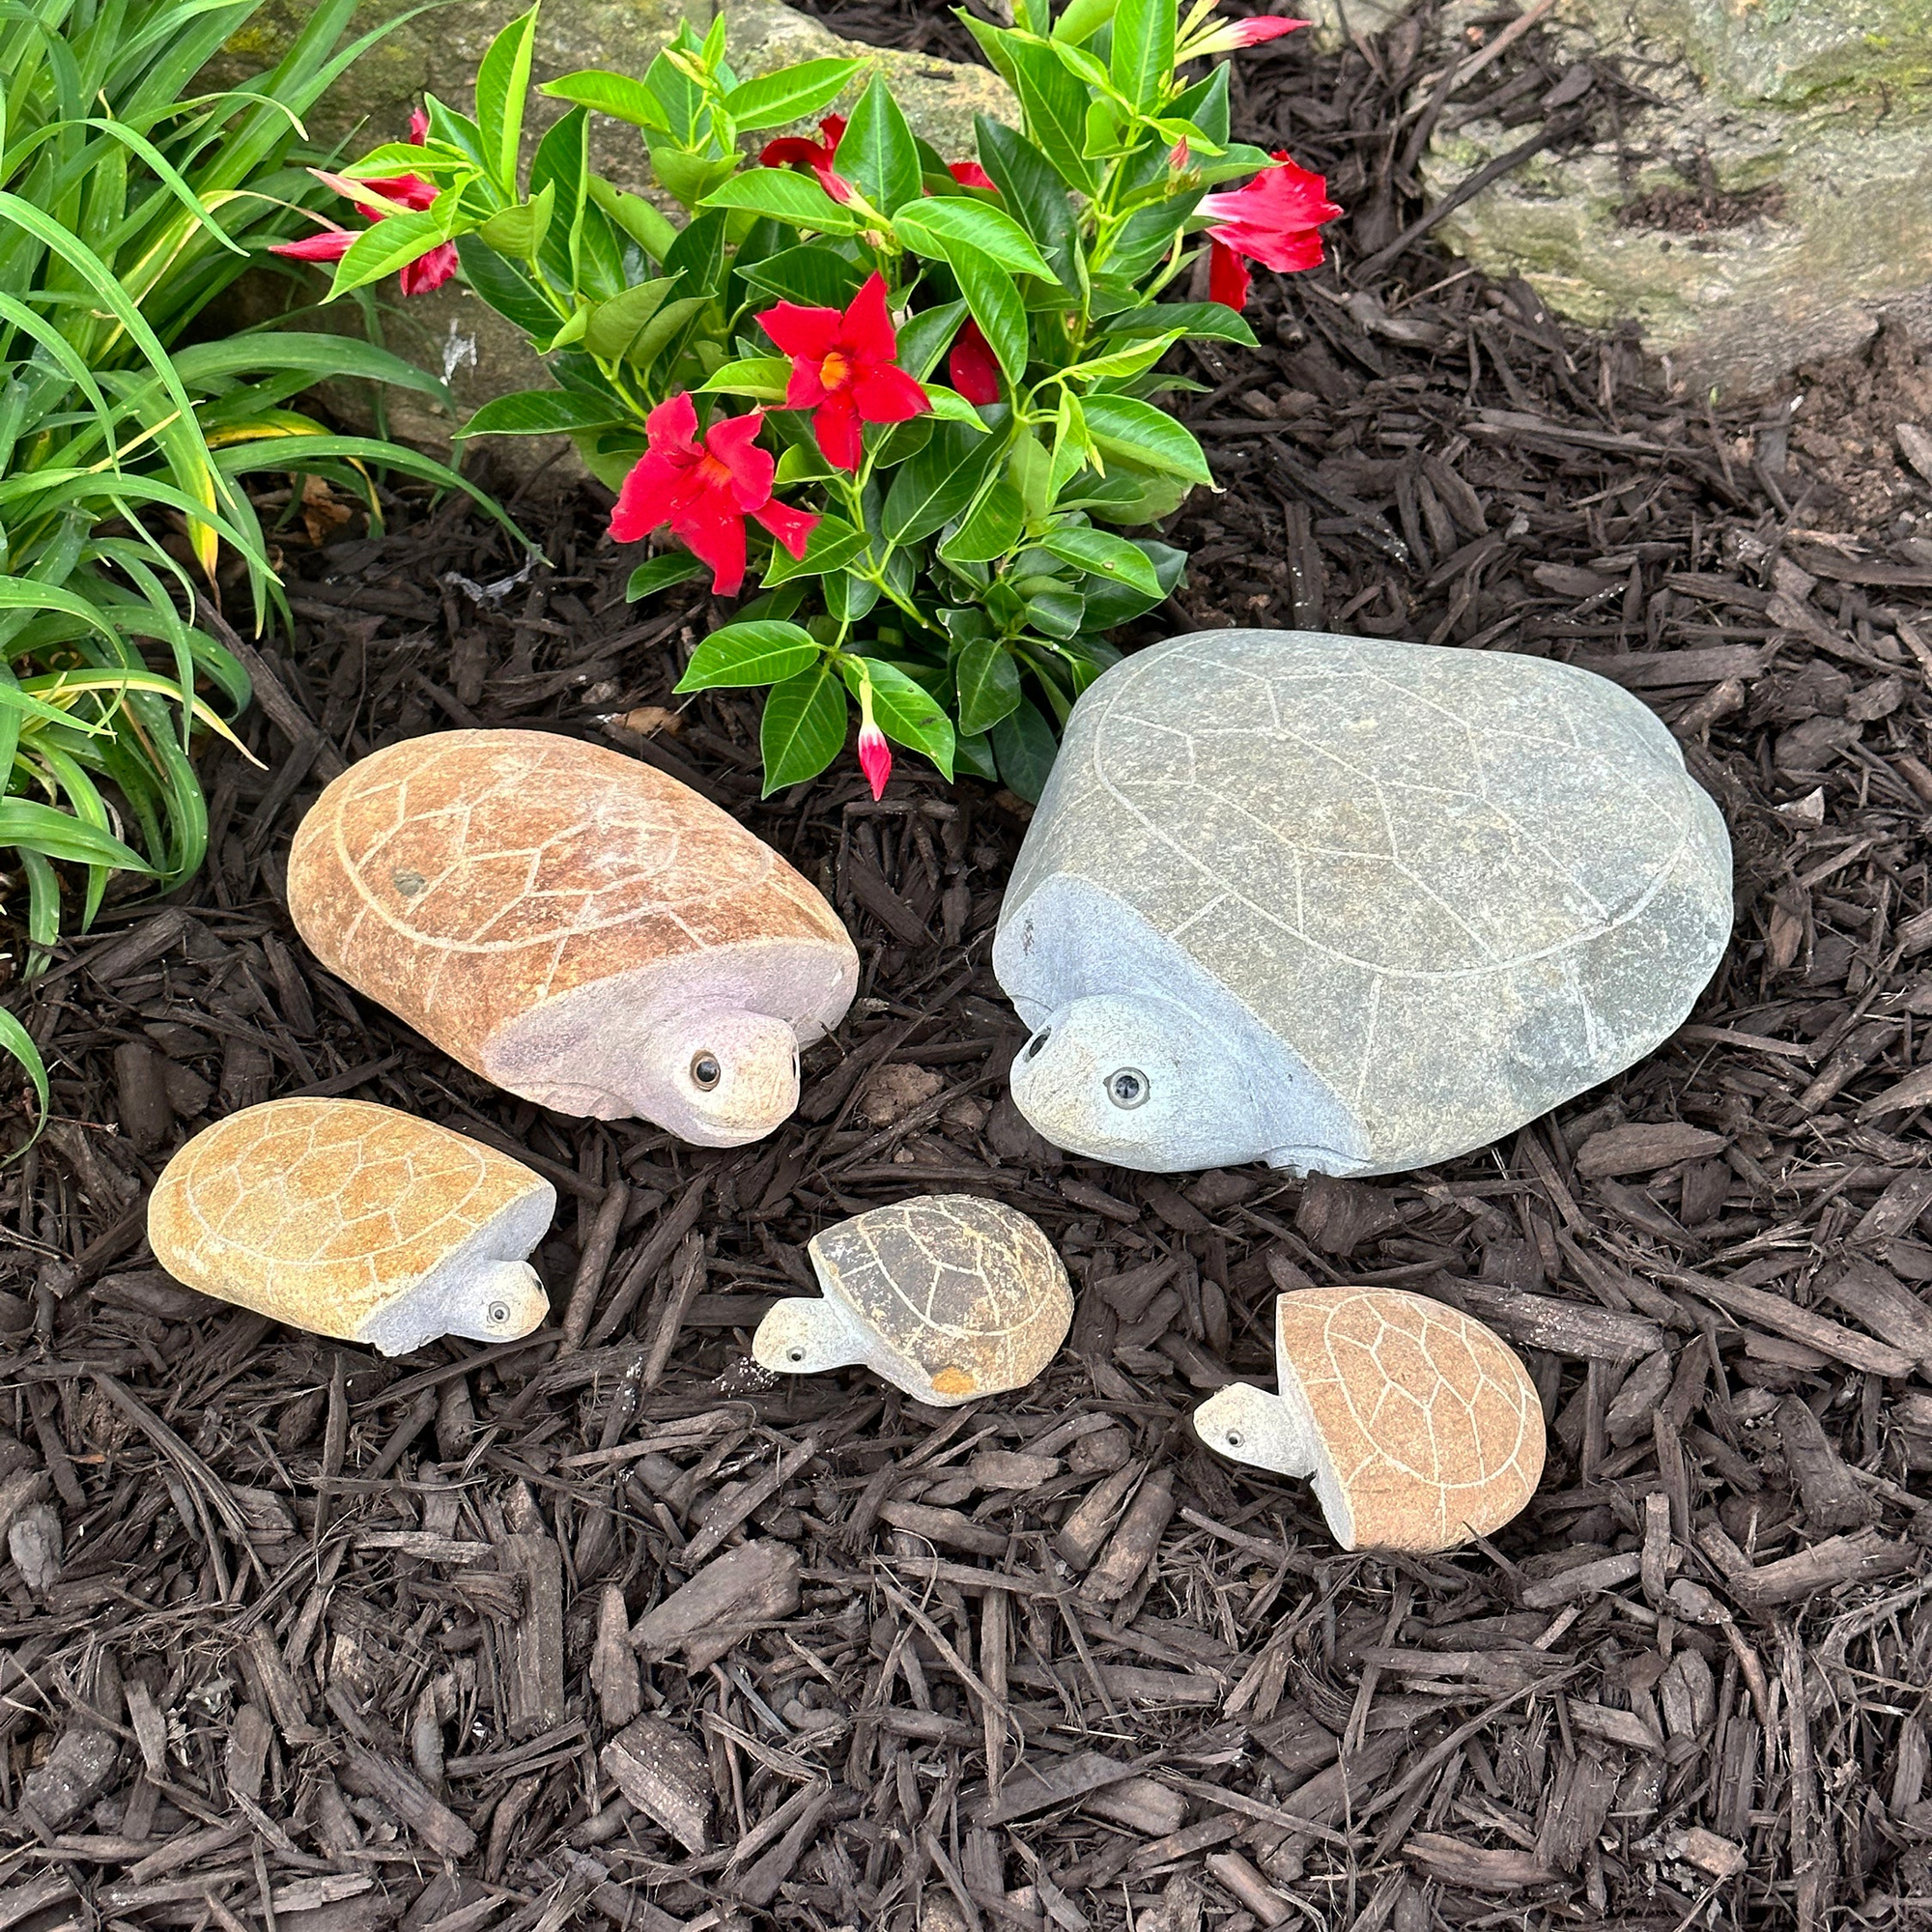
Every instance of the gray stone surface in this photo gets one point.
(1349, 906)
(1820, 113)
(450, 331)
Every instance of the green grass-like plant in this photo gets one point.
(129, 202)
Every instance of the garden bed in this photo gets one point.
(329, 1641)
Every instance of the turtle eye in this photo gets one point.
(1233, 1439)
(1128, 1087)
(794, 1354)
(705, 1072)
(498, 1314)
(1037, 1043)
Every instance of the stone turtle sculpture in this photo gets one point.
(354, 1221)
(1349, 906)
(946, 1296)
(574, 926)
(1417, 1428)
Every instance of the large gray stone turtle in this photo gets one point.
(1349, 906)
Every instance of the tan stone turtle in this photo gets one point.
(354, 1221)
(1417, 1426)
(574, 926)
(946, 1296)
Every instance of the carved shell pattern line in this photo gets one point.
(1410, 1392)
(356, 1198)
(954, 1282)
(1375, 766)
(562, 842)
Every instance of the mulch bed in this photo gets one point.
(296, 1637)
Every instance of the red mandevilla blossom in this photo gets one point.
(1231, 36)
(795, 149)
(875, 755)
(970, 174)
(842, 369)
(1273, 219)
(429, 270)
(705, 490)
(974, 368)
(1228, 277)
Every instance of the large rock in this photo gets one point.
(1774, 206)
(453, 333)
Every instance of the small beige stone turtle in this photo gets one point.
(574, 926)
(356, 1221)
(1417, 1426)
(946, 1296)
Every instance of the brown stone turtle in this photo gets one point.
(1417, 1426)
(574, 926)
(354, 1221)
(947, 1296)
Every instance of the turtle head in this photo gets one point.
(505, 1304)
(801, 1337)
(1248, 1425)
(1138, 1080)
(717, 1076)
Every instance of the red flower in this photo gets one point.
(842, 369)
(429, 270)
(1275, 218)
(815, 155)
(1231, 36)
(970, 174)
(705, 490)
(875, 755)
(973, 366)
(1228, 277)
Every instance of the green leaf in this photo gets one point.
(1024, 744)
(761, 652)
(1123, 426)
(688, 177)
(803, 726)
(505, 288)
(1053, 103)
(941, 223)
(996, 306)
(791, 93)
(927, 336)
(1031, 191)
(991, 529)
(1195, 321)
(936, 484)
(649, 229)
(503, 84)
(613, 325)
(697, 255)
(831, 545)
(973, 758)
(59, 835)
(616, 95)
(1058, 613)
(659, 573)
(1143, 59)
(765, 377)
(877, 153)
(906, 712)
(814, 277)
(1130, 359)
(1082, 20)
(519, 231)
(1106, 555)
(1110, 603)
(388, 246)
(542, 412)
(785, 196)
(990, 684)
(16, 1040)
(661, 328)
(950, 406)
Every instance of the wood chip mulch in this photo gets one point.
(539, 1636)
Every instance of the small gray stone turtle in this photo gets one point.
(1349, 906)
(946, 1296)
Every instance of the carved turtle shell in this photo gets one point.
(545, 910)
(1416, 1425)
(354, 1221)
(1419, 894)
(966, 1295)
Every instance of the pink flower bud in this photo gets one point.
(875, 755)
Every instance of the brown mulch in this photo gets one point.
(299, 1638)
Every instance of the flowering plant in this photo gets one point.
(948, 556)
